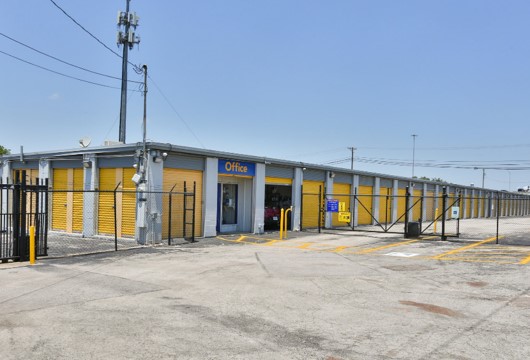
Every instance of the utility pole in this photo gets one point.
(127, 38)
(352, 152)
(483, 174)
(413, 152)
(145, 118)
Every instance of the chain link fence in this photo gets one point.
(83, 222)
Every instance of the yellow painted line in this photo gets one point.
(430, 237)
(525, 261)
(339, 248)
(304, 246)
(241, 238)
(270, 243)
(367, 251)
(438, 257)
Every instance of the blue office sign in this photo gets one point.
(234, 167)
(332, 205)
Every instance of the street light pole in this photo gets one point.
(352, 151)
(413, 152)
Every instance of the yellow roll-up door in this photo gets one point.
(128, 203)
(174, 179)
(429, 206)
(402, 204)
(59, 201)
(310, 209)
(364, 205)
(77, 209)
(107, 184)
(341, 190)
(415, 201)
(476, 201)
(385, 205)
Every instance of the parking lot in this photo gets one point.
(312, 296)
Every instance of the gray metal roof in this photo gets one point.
(130, 150)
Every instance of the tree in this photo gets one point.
(4, 151)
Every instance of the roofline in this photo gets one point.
(171, 148)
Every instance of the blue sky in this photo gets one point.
(298, 80)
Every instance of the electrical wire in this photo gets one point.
(454, 164)
(175, 111)
(64, 62)
(85, 30)
(59, 73)
(91, 35)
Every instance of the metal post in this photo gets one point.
(193, 212)
(32, 245)
(116, 218)
(498, 216)
(185, 210)
(125, 61)
(413, 152)
(23, 238)
(444, 209)
(407, 204)
(320, 209)
(301, 207)
(170, 215)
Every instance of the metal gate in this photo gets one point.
(387, 213)
(22, 206)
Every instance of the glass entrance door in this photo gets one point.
(228, 207)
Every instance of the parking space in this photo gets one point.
(312, 296)
(428, 247)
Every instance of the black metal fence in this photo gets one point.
(74, 222)
(22, 206)
(97, 220)
(501, 217)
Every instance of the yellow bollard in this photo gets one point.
(32, 245)
(281, 223)
(286, 223)
(435, 219)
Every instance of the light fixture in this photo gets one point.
(332, 174)
(158, 157)
(87, 163)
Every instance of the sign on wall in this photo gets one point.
(332, 205)
(234, 167)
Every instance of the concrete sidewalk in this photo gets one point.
(224, 300)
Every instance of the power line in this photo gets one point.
(176, 112)
(59, 73)
(85, 30)
(62, 61)
(91, 35)
(455, 164)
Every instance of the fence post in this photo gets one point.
(116, 217)
(498, 216)
(23, 238)
(320, 209)
(407, 205)
(184, 207)
(444, 211)
(301, 207)
(193, 211)
(170, 214)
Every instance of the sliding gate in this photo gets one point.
(22, 206)
(407, 213)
